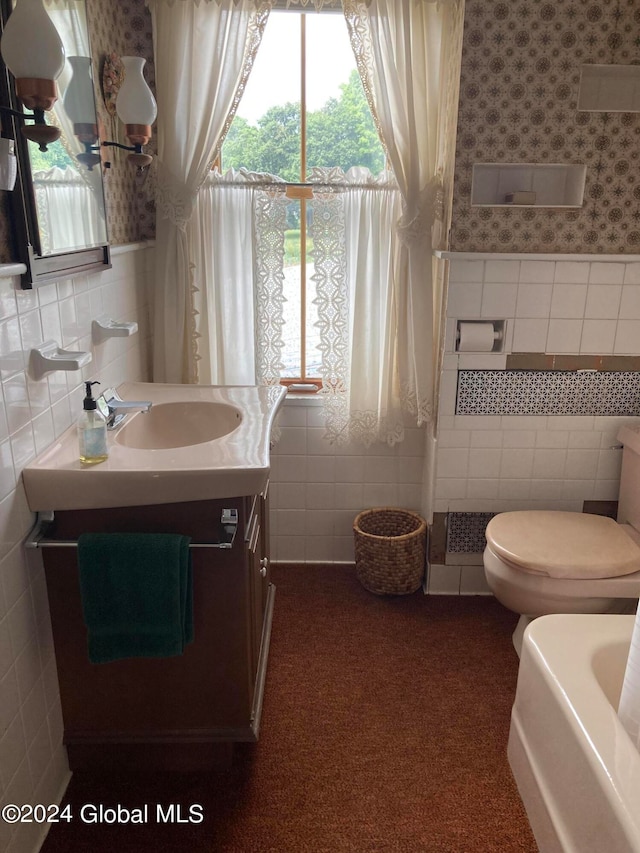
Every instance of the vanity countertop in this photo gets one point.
(227, 466)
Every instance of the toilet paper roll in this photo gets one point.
(476, 337)
(629, 705)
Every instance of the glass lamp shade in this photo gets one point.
(135, 105)
(33, 52)
(78, 100)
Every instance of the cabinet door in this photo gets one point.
(205, 692)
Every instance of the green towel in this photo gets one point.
(137, 596)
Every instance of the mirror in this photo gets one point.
(58, 203)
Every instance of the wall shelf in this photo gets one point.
(609, 88)
(555, 184)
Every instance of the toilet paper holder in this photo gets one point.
(480, 335)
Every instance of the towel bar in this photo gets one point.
(37, 538)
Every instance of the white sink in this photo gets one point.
(197, 442)
(168, 425)
(577, 770)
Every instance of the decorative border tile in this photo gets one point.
(547, 361)
(548, 392)
(465, 531)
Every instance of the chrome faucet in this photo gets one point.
(117, 409)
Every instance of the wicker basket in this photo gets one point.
(390, 550)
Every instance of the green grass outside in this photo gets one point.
(292, 248)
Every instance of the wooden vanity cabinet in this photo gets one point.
(168, 713)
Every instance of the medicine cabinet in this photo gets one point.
(57, 206)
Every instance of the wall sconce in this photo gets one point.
(136, 108)
(32, 51)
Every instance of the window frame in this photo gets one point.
(301, 190)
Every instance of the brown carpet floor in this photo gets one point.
(384, 728)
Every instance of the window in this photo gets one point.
(303, 109)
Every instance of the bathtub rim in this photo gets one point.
(589, 773)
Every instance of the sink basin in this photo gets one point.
(196, 443)
(179, 424)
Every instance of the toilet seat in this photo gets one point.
(557, 544)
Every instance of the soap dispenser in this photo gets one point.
(92, 430)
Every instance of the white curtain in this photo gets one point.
(203, 56)
(402, 49)
(239, 275)
(66, 209)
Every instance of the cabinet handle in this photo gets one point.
(264, 562)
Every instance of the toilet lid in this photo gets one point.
(563, 544)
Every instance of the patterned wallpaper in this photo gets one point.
(518, 104)
(123, 27)
(518, 98)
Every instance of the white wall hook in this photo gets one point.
(105, 327)
(48, 357)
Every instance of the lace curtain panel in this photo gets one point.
(238, 279)
(243, 305)
(354, 258)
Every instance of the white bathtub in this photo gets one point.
(577, 770)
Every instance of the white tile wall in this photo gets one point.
(500, 463)
(33, 765)
(456, 580)
(317, 489)
(553, 306)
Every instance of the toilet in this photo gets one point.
(549, 561)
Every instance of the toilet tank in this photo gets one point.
(629, 497)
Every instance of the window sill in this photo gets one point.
(302, 399)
